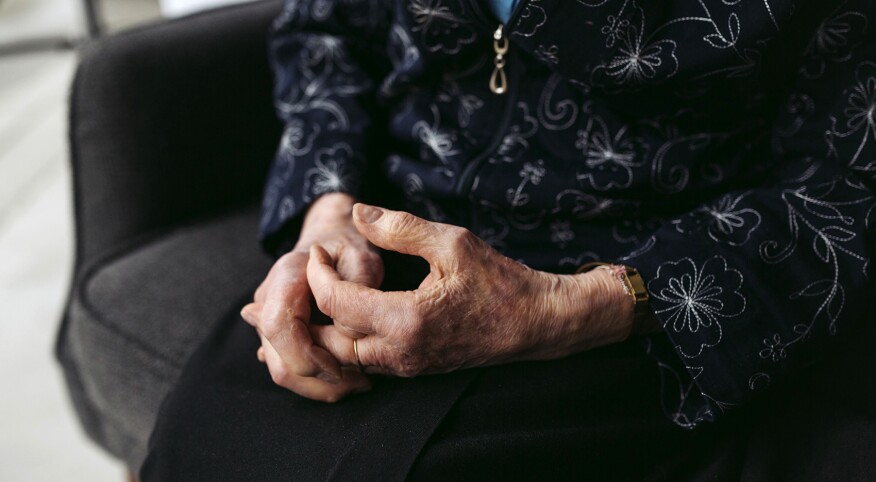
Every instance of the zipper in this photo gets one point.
(502, 81)
(498, 80)
(501, 44)
(466, 179)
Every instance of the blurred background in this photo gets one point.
(39, 436)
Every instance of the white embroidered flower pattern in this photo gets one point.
(833, 41)
(609, 159)
(693, 300)
(298, 137)
(330, 172)
(724, 220)
(286, 209)
(861, 110)
(326, 48)
(637, 62)
(614, 27)
(515, 142)
(548, 55)
(860, 115)
(774, 349)
(532, 172)
(437, 142)
(441, 29)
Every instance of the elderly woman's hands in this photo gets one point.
(475, 308)
(281, 312)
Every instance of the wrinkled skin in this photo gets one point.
(281, 308)
(475, 308)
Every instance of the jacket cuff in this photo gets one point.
(298, 177)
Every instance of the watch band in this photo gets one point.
(644, 321)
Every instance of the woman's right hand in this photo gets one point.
(281, 311)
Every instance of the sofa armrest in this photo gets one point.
(170, 123)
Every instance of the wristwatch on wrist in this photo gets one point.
(644, 321)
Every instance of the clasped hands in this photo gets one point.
(475, 308)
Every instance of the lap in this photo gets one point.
(594, 415)
(582, 415)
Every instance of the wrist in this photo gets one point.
(612, 312)
(644, 321)
(588, 310)
(336, 207)
(330, 212)
(579, 312)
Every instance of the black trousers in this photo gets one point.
(593, 416)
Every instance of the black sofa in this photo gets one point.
(171, 133)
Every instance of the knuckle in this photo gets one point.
(271, 328)
(292, 258)
(365, 258)
(324, 297)
(279, 375)
(460, 239)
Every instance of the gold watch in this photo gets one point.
(644, 321)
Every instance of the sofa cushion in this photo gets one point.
(140, 313)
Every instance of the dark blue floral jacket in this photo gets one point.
(725, 148)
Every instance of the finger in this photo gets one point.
(287, 332)
(363, 267)
(352, 381)
(359, 308)
(344, 329)
(250, 312)
(408, 234)
(259, 295)
(337, 343)
(341, 347)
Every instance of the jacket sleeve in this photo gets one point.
(327, 57)
(754, 286)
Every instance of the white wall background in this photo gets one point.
(176, 8)
(40, 438)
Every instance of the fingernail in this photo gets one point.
(317, 251)
(368, 214)
(329, 378)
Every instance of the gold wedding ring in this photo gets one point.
(356, 352)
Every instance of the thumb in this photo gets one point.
(403, 232)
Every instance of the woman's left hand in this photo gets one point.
(475, 308)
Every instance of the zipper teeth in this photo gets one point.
(468, 174)
(499, 77)
(467, 177)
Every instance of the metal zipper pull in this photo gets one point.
(499, 81)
